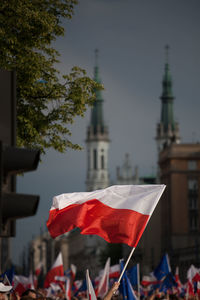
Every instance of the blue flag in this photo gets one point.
(168, 283)
(8, 275)
(83, 288)
(133, 275)
(125, 286)
(163, 268)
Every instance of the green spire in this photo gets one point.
(167, 80)
(167, 116)
(97, 111)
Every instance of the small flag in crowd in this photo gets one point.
(133, 275)
(119, 214)
(126, 287)
(163, 268)
(38, 268)
(104, 281)
(90, 289)
(56, 270)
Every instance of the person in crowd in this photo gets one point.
(30, 293)
(112, 291)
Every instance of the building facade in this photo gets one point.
(180, 206)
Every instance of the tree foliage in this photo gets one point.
(47, 101)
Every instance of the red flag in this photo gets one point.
(56, 270)
(119, 214)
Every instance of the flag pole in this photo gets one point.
(131, 253)
(138, 280)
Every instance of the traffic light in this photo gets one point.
(12, 205)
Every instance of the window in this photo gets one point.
(193, 204)
(192, 165)
(194, 222)
(102, 162)
(95, 159)
(192, 185)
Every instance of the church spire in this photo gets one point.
(97, 142)
(97, 119)
(167, 80)
(167, 128)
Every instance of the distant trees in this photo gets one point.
(47, 101)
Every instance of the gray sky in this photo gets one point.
(131, 36)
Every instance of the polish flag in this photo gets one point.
(20, 284)
(114, 271)
(193, 274)
(90, 290)
(149, 280)
(32, 281)
(104, 281)
(177, 278)
(198, 289)
(119, 214)
(73, 271)
(67, 289)
(56, 270)
(38, 269)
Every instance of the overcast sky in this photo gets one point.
(131, 36)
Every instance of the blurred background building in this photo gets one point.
(174, 227)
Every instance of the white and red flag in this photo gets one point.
(38, 268)
(73, 269)
(67, 289)
(20, 284)
(56, 270)
(193, 274)
(119, 213)
(104, 281)
(90, 290)
(114, 271)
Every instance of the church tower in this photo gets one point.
(97, 142)
(167, 128)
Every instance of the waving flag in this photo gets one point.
(67, 289)
(73, 269)
(20, 284)
(133, 275)
(90, 289)
(126, 287)
(104, 281)
(148, 280)
(56, 270)
(119, 214)
(163, 268)
(193, 274)
(7, 276)
(114, 271)
(168, 284)
(38, 268)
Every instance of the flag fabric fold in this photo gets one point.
(126, 288)
(133, 275)
(163, 268)
(119, 214)
(104, 281)
(56, 270)
(90, 289)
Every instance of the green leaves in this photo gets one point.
(46, 105)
